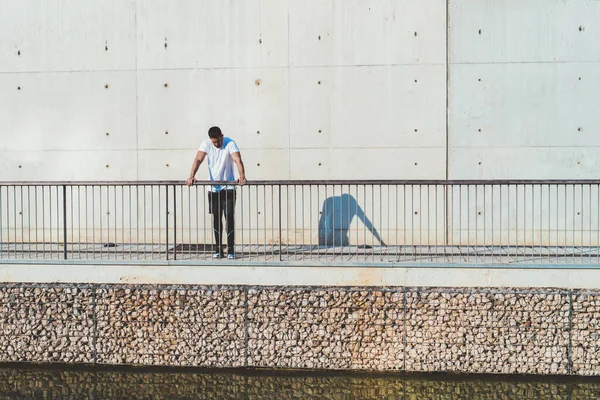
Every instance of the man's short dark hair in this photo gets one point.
(214, 132)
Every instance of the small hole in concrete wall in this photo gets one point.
(107, 134)
(166, 45)
(480, 31)
(415, 81)
(319, 82)
(415, 33)
(259, 41)
(166, 85)
(319, 37)
(578, 213)
(167, 165)
(19, 53)
(579, 129)
(479, 130)
(258, 165)
(319, 164)
(107, 166)
(479, 162)
(416, 212)
(106, 86)
(20, 166)
(415, 163)
(319, 131)
(18, 87)
(578, 162)
(166, 132)
(416, 130)
(257, 82)
(581, 29)
(479, 79)
(258, 132)
(105, 48)
(20, 212)
(479, 213)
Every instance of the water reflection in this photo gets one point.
(44, 383)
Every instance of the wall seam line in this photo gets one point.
(137, 109)
(447, 89)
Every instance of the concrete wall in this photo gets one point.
(523, 87)
(319, 89)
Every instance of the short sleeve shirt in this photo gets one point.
(220, 163)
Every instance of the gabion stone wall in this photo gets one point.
(533, 331)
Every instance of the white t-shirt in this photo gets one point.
(220, 163)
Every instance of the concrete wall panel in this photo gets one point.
(524, 163)
(176, 108)
(368, 107)
(266, 164)
(212, 34)
(260, 164)
(417, 163)
(372, 32)
(524, 105)
(489, 31)
(48, 165)
(68, 111)
(524, 216)
(523, 84)
(67, 35)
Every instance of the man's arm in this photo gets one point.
(195, 165)
(237, 159)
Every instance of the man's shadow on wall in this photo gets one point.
(336, 217)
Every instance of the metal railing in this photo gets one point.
(374, 222)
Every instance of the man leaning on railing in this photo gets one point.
(222, 153)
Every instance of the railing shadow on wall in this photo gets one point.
(373, 222)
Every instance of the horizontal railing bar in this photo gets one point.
(307, 264)
(488, 182)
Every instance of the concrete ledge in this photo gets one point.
(566, 277)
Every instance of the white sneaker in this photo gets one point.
(231, 256)
(217, 255)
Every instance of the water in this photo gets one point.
(29, 382)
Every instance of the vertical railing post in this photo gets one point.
(65, 221)
(174, 224)
(280, 230)
(167, 220)
(447, 216)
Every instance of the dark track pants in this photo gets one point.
(223, 203)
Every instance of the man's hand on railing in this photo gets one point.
(242, 180)
(190, 181)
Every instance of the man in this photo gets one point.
(222, 153)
